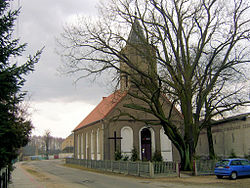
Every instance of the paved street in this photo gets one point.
(52, 174)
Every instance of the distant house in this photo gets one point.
(68, 144)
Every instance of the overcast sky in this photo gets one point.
(56, 103)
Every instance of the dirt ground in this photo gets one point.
(211, 181)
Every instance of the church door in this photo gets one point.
(146, 144)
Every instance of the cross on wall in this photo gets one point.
(115, 138)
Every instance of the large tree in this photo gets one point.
(201, 48)
(15, 128)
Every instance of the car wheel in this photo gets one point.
(233, 176)
(219, 176)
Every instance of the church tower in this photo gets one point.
(138, 58)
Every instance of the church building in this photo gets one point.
(99, 136)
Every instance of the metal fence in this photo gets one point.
(138, 168)
(204, 167)
(165, 168)
(4, 177)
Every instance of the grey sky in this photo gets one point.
(56, 103)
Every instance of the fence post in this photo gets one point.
(4, 180)
(127, 167)
(0, 177)
(151, 169)
(111, 166)
(178, 169)
(138, 168)
(195, 168)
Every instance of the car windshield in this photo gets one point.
(223, 163)
(245, 162)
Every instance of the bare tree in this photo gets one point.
(200, 47)
(46, 139)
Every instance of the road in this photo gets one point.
(53, 174)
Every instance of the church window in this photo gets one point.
(98, 144)
(127, 141)
(82, 146)
(78, 146)
(87, 146)
(92, 145)
(166, 146)
(233, 138)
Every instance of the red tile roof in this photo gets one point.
(102, 109)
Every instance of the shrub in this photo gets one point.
(134, 156)
(125, 158)
(118, 155)
(232, 155)
(157, 156)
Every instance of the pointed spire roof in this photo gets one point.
(136, 34)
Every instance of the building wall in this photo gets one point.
(110, 127)
(85, 151)
(68, 142)
(107, 128)
(229, 137)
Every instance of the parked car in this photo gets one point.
(232, 168)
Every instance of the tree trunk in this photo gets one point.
(210, 143)
(186, 158)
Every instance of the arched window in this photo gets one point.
(87, 146)
(78, 146)
(92, 141)
(98, 145)
(82, 146)
(127, 141)
(166, 147)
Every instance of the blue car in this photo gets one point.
(232, 168)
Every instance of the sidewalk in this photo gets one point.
(22, 179)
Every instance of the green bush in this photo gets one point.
(232, 155)
(134, 156)
(125, 158)
(157, 156)
(118, 155)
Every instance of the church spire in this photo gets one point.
(136, 35)
(139, 54)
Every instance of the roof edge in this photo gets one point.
(92, 123)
